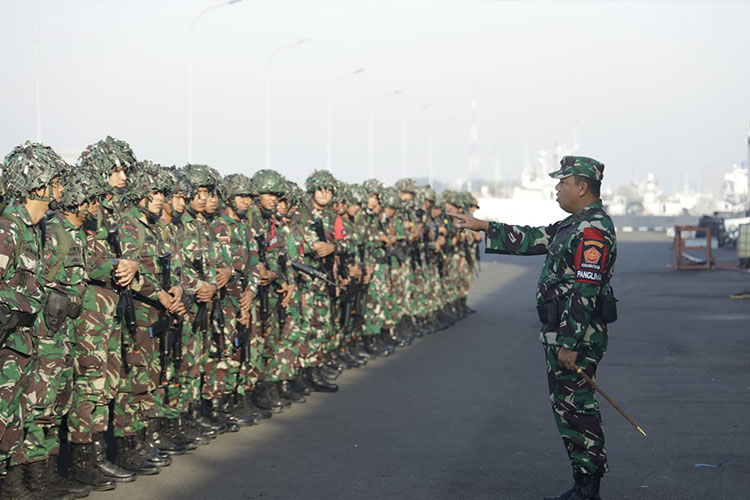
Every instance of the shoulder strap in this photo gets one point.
(19, 224)
(64, 244)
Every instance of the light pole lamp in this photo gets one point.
(191, 50)
(269, 64)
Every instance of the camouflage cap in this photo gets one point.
(320, 179)
(268, 182)
(406, 185)
(108, 155)
(579, 165)
(31, 166)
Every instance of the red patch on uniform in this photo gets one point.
(224, 239)
(591, 257)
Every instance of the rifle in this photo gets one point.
(282, 310)
(242, 341)
(327, 261)
(125, 306)
(202, 316)
(217, 315)
(314, 273)
(348, 298)
(360, 300)
(164, 345)
(263, 289)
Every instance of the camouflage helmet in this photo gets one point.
(320, 179)
(293, 194)
(406, 185)
(31, 166)
(472, 201)
(199, 176)
(268, 182)
(373, 186)
(449, 196)
(429, 194)
(359, 194)
(391, 198)
(343, 193)
(182, 184)
(235, 185)
(147, 178)
(108, 155)
(80, 184)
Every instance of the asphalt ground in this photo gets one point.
(464, 413)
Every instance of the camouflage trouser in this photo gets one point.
(379, 301)
(286, 350)
(48, 396)
(298, 329)
(96, 364)
(216, 377)
(317, 315)
(577, 411)
(135, 401)
(15, 376)
(191, 369)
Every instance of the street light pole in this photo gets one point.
(269, 63)
(191, 50)
(37, 73)
(329, 119)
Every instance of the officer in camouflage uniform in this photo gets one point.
(574, 300)
(32, 173)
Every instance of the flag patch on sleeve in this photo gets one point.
(591, 257)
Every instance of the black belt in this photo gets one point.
(25, 319)
(102, 284)
(146, 300)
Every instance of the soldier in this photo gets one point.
(98, 331)
(575, 303)
(33, 174)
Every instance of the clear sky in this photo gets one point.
(659, 87)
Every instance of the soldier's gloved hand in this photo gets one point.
(125, 271)
(567, 358)
(323, 249)
(223, 276)
(463, 221)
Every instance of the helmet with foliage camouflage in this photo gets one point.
(450, 196)
(343, 193)
(268, 182)
(180, 182)
(320, 179)
(472, 201)
(390, 198)
(429, 194)
(294, 195)
(80, 184)
(373, 186)
(406, 185)
(358, 194)
(107, 156)
(199, 176)
(31, 166)
(235, 185)
(147, 178)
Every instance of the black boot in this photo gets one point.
(263, 399)
(201, 423)
(299, 386)
(107, 468)
(227, 408)
(286, 391)
(329, 372)
(273, 392)
(263, 414)
(170, 429)
(150, 452)
(12, 486)
(85, 470)
(130, 458)
(385, 348)
(160, 440)
(215, 417)
(586, 487)
(368, 346)
(241, 409)
(353, 349)
(192, 431)
(36, 478)
(318, 382)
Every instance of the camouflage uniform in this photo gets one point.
(581, 252)
(21, 289)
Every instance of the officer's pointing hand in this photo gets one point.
(567, 358)
(463, 221)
